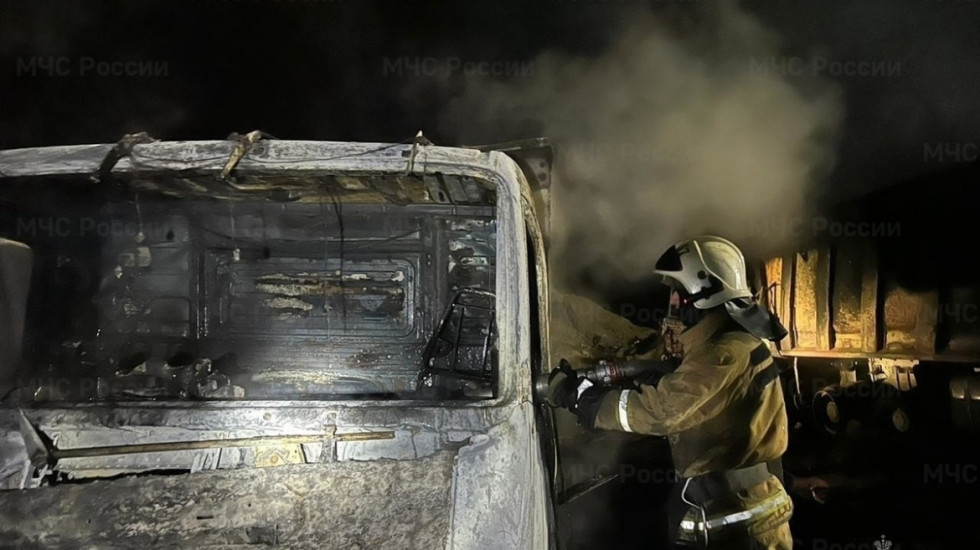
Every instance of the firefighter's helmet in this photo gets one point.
(711, 270)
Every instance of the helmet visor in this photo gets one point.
(669, 261)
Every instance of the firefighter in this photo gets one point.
(722, 409)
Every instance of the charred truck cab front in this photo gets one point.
(276, 342)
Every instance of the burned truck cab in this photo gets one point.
(259, 341)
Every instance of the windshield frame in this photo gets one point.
(494, 168)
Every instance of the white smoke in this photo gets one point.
(666, 135)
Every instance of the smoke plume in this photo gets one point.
(664, 135)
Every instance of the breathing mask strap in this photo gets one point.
(714, 288)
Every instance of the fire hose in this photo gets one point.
(619, 373)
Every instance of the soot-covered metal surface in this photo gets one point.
(266, 329)
(268, 299)
(380, 504)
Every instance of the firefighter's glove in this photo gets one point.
(587, 408)
(563, 386)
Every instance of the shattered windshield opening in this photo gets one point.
(155, 294)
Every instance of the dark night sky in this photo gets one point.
(314, 69)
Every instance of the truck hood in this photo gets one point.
(336, 505)
(444, 481)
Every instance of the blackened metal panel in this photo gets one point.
(771, 279)
(778, 284)
(471, 248)
(959, 321)
(825, 338)
(787, 280)
(910, 320)
(805, 322)
(870, 310)
(846, 301)
(303, 296)
(147, 293)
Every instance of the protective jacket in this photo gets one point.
(723, 412)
